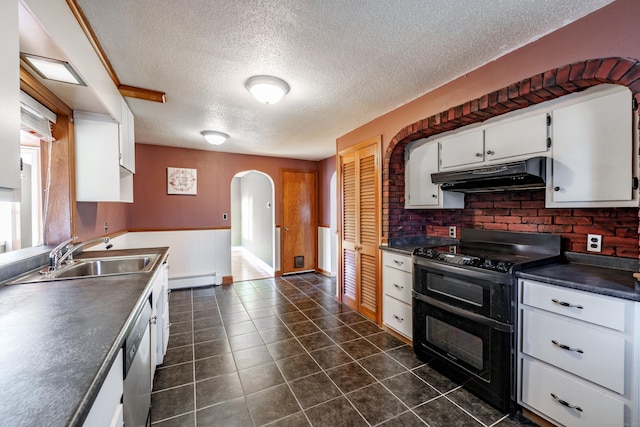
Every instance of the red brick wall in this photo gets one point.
(519, 211)
(525, 211)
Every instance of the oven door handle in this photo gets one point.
(502, 327)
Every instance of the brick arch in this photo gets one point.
(536, 89)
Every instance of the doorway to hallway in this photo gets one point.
(252, 226)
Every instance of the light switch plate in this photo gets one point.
(452, 232)
(594, 243)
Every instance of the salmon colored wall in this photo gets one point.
(610, 31)
(326, 169)
(153, 209)
(91, 217)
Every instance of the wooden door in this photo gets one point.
(299, 233)
(360, 230)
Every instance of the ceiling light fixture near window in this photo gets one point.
(267, 89)
(53, 69)
(214, 137)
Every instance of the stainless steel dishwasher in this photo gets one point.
(136, 397)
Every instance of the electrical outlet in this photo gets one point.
(452, 232)
(225, 216)
(594, 243)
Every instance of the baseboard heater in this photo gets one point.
(195, 281)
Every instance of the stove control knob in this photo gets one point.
(502, 266)
(431, 253)
(489, 264)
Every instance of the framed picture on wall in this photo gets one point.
(182, 181)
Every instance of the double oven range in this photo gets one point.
(464, 307)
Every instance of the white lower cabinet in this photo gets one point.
(578, 356)
(397, 280)
(159, 317)
(106, 410)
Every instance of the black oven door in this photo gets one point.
(485, 293)
(473, 349)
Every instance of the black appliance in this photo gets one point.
(519, 175)
(464, 307)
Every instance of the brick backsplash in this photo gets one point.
(525, 211)
(521, 210)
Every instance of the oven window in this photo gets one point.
(458, 343)
(454, 288)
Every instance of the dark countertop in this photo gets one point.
(406, 245)
(60, 338)
(592, 273)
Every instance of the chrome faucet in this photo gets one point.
(56, 254)
(56, 257)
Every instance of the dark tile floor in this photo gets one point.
(283, 352)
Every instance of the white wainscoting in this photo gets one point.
(198, 257)
(327, 251)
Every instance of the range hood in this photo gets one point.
(520, 175)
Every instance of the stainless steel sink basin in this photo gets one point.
(94, 267)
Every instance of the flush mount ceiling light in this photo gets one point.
(267, 89)
(214, 137)
(53, 69)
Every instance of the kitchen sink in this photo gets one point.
(93, 267)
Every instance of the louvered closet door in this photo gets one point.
(369, 298)
(349, 232)
(360, 230)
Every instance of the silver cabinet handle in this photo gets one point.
(566, 347)
(478, 154)
(398, 262)
(398, 318)
(398, 286)
(286, 229)
(566, 304)
(435, 196)
(491, 152)
(565, 403)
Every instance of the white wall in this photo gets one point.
(236, 212)
(256, 194)
(197, 257)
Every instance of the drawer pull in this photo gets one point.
(566, 304)
(398, 318)
(399, 287)
(566, 347)
(398, 262)
(564, 403)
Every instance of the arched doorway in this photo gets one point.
(252, 226)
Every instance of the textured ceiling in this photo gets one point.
(347, 61)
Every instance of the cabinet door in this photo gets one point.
(464, 149)
(516, 138)
(9, 102)
(422, 162)
(593, 150)
(97, 158)
(127, 139)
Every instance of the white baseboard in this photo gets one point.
(194, 281)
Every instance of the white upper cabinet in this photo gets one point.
(127, 139)
(463, 149)
(593, 152)
(9, 102)
(99, 177)
(420, 192)
(516, 138)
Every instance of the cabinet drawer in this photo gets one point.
(540, 381)
(398, 316)
(394, 260)
(597, 309)
(397, 284)
(595, 354)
